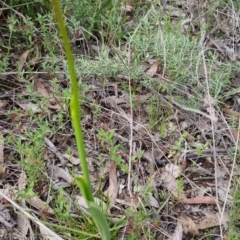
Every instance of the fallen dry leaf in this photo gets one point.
(212, 220)
(173, 169)
(153, 69)
(23, 59)
(73, 160)
(44, 90)
(45, 234)
(113, 101)
(231, 112)
(170, 184)
(5, 222)
(223, 194)
(152, 201)
(189, 227)
(30, 106)
(209, 105)
(128, 8)
(3, 104)
(37, 203)
(56, 172)
(8, 191)
(199, 200)
(22, 181)
(171, 153)
(178, 232)
(211, 112)
(190, 138)
(55, 150)
(39, 86)
(81, 202)
(23, 222)
(112, 190)
(25, 227)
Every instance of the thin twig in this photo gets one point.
(47, 230)
(29, 72)
(232, 170)
(130, 141)
(213, 138)
(212, 118)
(55, 150)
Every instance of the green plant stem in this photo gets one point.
(84, 181)
(75, 96)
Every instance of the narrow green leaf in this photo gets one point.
(100, 220)
(86, 192)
